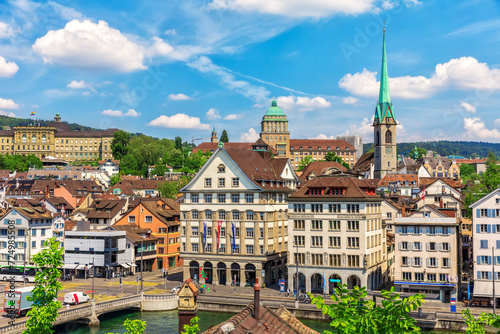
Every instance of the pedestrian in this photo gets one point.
(67, 306)
(288, 292)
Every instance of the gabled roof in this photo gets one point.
(135, 233)
(364, 162)
(427, 181)
(59, 201)
(485, 198)
(401, 178)
(106, 208)
(280, 321)
(354, 187)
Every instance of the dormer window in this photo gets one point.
(221, 168)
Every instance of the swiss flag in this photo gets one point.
(423, 194)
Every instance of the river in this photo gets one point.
(165, 322)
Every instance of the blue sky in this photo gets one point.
(178, 68)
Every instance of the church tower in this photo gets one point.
(384, 126)
(214, 139)
(274, 130)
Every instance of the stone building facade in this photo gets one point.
(57, 140)
(336, 235)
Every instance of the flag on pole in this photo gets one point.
(204, 235)
(233, 237)
(423, 194)
(32, 113)
(219, 226)
(202, 274)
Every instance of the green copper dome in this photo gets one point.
(274, 110)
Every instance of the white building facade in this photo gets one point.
(426, 259)
(234, 223)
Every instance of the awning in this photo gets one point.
(132, 264)
(69, 266)
(485, 288)
(124, 265)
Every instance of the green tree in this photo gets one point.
(223, 137)
(178, 143)
(159, 170)
(474, 326)
(134, 326)
(115, 179)
(128, 165)
(47, 285)
(304, 162)
(170, 189)
(331, 156)
(192, 328)
(352, 313)
(119, 144)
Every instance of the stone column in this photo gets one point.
(94, 320)
(185, 269)
(243, 279)
(215, 276)
(229, 278)
(308, 283)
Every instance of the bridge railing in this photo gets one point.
(80, 312)
(117, 302)
(159, 297)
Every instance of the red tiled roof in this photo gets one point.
(398, 177)
(354, 187)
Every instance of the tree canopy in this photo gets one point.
(331, 156)
(19, 163)
(223, 137)
(304, 162)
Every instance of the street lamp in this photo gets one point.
(297, 275)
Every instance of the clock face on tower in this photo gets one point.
(388, 150)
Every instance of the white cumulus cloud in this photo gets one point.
(468, 107)
(476, 129)
(250, 136)
(7, 113)
(6, 30)
(297, 8)
(179, 121)
(159, 48)
(88, 45)
(178, 97)
(232, 117)
(302, 103)
(7, 68)
(119, 113)
(322, 136)
(350, 100)
(77, 84)
(8, 104)
(465, 73)
(212, 114)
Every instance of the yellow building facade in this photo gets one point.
(57, 140)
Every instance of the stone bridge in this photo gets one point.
(90, 313)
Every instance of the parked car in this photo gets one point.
(176, 289)
(76, 298)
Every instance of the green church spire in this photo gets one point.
(384, 106)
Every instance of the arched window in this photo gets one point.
(377, 138)
(33, 139)
(388, 137)
(44, 139)
(24, 138)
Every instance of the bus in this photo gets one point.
(19, 273)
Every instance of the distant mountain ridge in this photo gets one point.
(12, 121)
(467, 149)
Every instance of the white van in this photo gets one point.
(76, 298)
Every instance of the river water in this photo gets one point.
(164, 322)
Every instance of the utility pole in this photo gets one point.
(297, 275)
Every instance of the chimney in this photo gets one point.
(403, 210)
(256, 300)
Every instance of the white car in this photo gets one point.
(176, 289)
(76, 298)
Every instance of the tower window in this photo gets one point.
(388, 137)
(377, 138)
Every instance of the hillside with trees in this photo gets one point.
(466, 149)
(12, 121)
